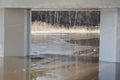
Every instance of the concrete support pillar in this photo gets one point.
(14, 32)
(110, 35)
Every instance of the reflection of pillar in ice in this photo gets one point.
(14, 68)
(1, 68)
(109, 71)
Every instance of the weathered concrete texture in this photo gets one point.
(15, 31)
(109, 35)
(1, 31)
(60, 3)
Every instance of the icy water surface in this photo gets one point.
(18, 68)
(65, 56)
(60, 57)
(64, 43)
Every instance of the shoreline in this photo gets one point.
(62, 32)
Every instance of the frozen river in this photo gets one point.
(64, 54)
(63, 43)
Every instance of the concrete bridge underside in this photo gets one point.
(15, 24)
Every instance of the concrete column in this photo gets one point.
(110, 35)
(15, 32)
(1, 32)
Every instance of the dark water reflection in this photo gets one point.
(87, 42)
(17, 68)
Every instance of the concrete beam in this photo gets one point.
(60, 3)
(15, 32)
(109, 35)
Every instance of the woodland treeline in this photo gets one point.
(68, 18)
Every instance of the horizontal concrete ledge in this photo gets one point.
(67, 9)
(59, 3)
